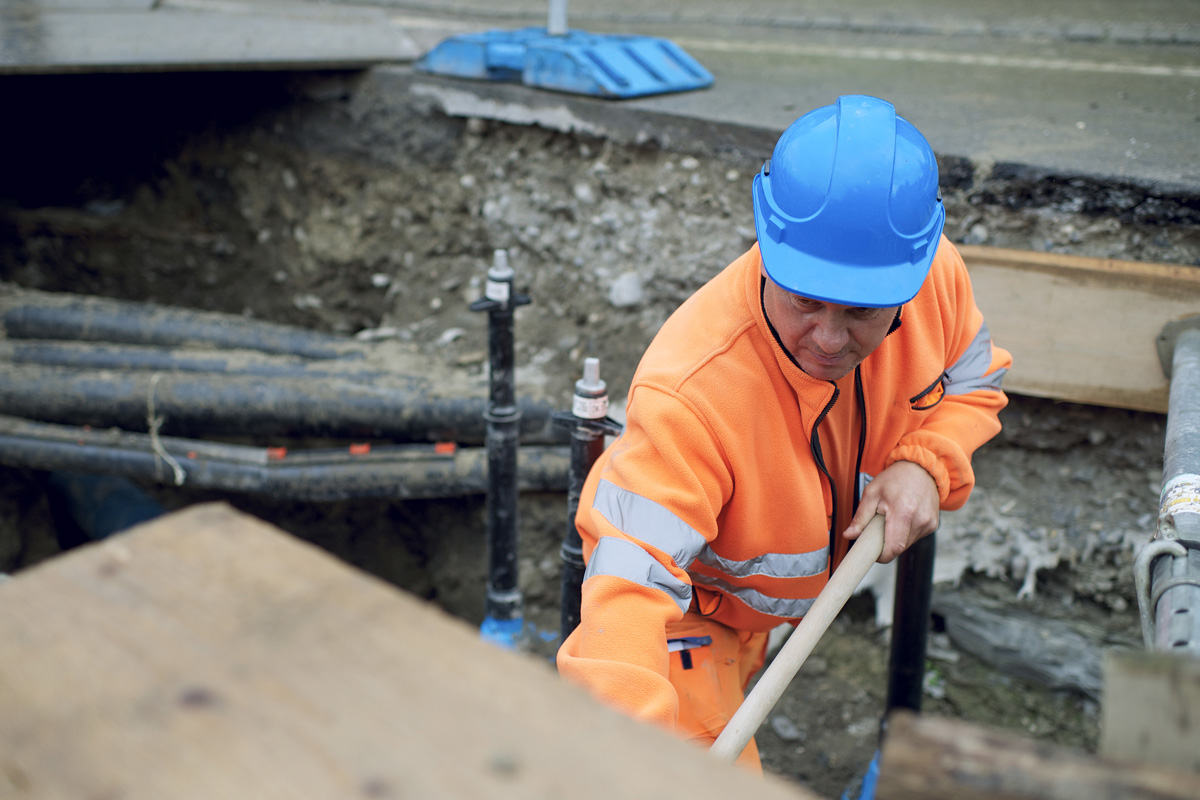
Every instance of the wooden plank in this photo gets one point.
(1082, 329)
(1152, 709)
(925, 758)
(207, 654)
(201, 34)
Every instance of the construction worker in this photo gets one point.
(838, 369)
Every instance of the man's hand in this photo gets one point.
(907, 495)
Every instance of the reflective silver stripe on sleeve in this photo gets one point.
(649, 522)
(967, 373)
(785, 608)
(772, 565)
(621, 558)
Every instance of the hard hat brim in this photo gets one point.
(870, 285)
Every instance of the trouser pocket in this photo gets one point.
(705, 673)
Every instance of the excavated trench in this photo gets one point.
(333, 203)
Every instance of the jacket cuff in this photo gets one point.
(925, 459)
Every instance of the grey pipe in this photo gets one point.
(1167, 571)
(44, 315)
(95, 361)
(317, 402)
(401, 472)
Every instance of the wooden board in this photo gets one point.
(926, 758)
(1151, 709)
(1082, 329)
(208, 655)
(198, 34)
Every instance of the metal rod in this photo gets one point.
(503, 606)
(586, 447)
(588, 423)
(910, 625)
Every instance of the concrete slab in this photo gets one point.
(77, 36)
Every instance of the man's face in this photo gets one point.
(826, 339)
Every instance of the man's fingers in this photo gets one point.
(895, 537)
(866, 512)
(907, 496)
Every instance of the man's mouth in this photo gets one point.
(827, 360)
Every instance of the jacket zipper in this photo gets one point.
(861, 398)
(814, 446)
(819, 455)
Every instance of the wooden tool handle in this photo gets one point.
(800, 644)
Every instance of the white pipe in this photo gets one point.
(556, 25)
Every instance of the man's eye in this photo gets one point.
(864, 313)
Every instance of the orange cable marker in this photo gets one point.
(360, 449)
(445, 448)
(276, 453)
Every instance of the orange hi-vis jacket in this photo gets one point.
(717, 497)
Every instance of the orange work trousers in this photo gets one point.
(711, 665)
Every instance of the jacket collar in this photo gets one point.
(811, 392)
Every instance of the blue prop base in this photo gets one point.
(867, 789)
(503, 632)
(615, 66)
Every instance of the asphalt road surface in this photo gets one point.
(1104, 89)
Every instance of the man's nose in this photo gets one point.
(830, 333)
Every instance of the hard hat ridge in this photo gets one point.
(847, 209)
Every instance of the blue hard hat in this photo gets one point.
(848, 210)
